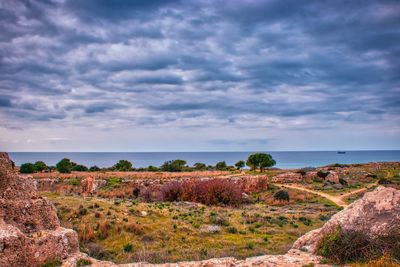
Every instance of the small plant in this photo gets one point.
(128, 247)
(83, 262)
(282, 195)
(250, 245)
(341, 247)
(52, 263)
(232, 230)
(265, 238)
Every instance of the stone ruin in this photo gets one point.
(30, 232)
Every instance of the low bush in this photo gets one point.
(97, 251)
(209, 192)
(322, 174)
(282, 195)
(384, 181)
(128, 247)
(27, 168)
(341, 247)
(83, 262)
(343, 182)
(52, 263)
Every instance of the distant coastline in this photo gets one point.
(284, 159)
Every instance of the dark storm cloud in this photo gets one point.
(170, 62)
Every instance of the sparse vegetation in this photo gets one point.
(342, 247)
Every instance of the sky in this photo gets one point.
(196, 75)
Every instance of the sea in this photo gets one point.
(284, 159)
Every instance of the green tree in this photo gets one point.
(240, 164)
(173, 165)
(40, 166)
(65, 165)
(123, 166)
(221, 166)
(260, 161)
(200, 166)
(27, 168)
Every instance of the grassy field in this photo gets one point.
(127, 231)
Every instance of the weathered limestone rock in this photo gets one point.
(377, 213)
(287, 177)
(89, 186)
(332, 177)
(30, 232)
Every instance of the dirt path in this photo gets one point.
(338, 200)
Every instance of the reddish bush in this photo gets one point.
(209, 192)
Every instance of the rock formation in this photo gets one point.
(332, 178)
(30, 232)
(88, 186)
(377, 213)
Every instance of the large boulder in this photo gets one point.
(376, 214)
(30, 232)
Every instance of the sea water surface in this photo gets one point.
(284, 159)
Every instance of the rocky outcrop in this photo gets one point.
(332, 178)
(376, 214)
(287, 177)
(89, 186)
(30, 232)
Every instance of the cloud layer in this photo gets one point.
(199, 75)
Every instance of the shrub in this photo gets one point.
(232, 230)
(173, 165)
(384, 181)
(136, 192)
(65, 165)
(97, 251)
(40, 166)
(322, 174)
(343, 181)
(128, 247)
(343, 247)
(123, 166)
(220, 166)
(80, 168)
(27, 168)
(200, 166)
(152, 169)
(240, 164)
(83, 262)
(134, 228)
(52, 263)
(282, 195)
(74, 182)
(94, 169)
(114, 181)
(209, 192)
